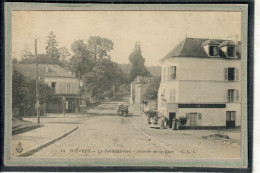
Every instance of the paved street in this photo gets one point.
(104, 134)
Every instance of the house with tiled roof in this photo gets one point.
(65, 84)
(201, 80)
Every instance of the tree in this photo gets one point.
(151, 92)
(64, 58)
(23, 94)
(64, 54)
(81, 62)
(26, 54)
(92, 83)
(99, 47)
(52, 50)
(137, 61)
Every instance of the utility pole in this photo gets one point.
(79, 92)
(37, 89)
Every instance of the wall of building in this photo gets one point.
(212, 117)
(200, 80)
(63, 85)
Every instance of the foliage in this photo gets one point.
(92, 83)
(151, 92)
(124, 88)
(26, 54)
(105, 76)
(52, 50)
(24, 93)
(64, 53)
(82, 61)
(183, 121)
(151, 114)
(137, 61)
(99, 47)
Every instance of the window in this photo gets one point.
(230, 119)
(172, 95)
(53, 84)
(231, 51)
(231, 93)
(231, 116)
(213, 50)
(231, 74)
(172, 73)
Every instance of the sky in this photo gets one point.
(157, 31)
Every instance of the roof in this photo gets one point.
(44, 70)
(227, 43)
(193, 47)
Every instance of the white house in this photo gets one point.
(201, 80)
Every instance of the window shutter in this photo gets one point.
(175, 73)
(199, 115)
(169, 73)
(237, 95)
(187, 115)
(237, 74)
(228, 96)
(226, 74)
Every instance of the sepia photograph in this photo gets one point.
(126, 85)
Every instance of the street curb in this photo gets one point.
(25, 128)
(28, 153)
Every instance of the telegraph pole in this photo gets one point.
(37, 89)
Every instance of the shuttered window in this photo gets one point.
(187, 115)
(231, 95)
(172, 73)
(231, 74)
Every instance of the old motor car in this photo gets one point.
(122, 109)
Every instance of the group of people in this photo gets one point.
(163, 123)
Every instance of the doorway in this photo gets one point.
(230, 119)
(172, 116)
(193, 118)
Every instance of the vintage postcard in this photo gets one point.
(126, 85)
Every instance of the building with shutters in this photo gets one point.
(201, 80)
(65, 84)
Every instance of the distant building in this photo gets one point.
(65, 84)
(201, 80)
(138, 88)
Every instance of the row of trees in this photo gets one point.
(92, 63)
(89, 61)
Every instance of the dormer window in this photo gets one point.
(211, 47)
(228, 47)
(231, 51)
(213, 50)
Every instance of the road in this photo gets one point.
(104, 136)
(107, 135)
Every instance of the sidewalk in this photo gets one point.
(29, 142)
